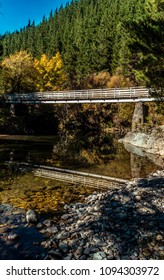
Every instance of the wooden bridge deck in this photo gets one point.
(109, 95)
(73, 177)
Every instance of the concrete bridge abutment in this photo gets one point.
(139, 117)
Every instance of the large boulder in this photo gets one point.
(152, 143)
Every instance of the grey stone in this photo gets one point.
(55, 255)
(31, 216)
(68, 258)
(83, 257)
(121, 216)
(39, 226)
(65, 217)
(159, 237)
(138, 197)
(64, 247)
(47, 223)
(99, 256)
(73, 243)
(87, 251)
(52, 229)
(96, 239)
(13, 236)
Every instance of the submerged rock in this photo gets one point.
(13, 236)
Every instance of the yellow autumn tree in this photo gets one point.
(51, 74)
(18, 73)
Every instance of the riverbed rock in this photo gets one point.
(47, 223)
(54, 255)
(99, 256)
(52, 229)
(31, 216)
(159, 237)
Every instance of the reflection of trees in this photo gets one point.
(100, 154)
(88, 149)
(22, 151)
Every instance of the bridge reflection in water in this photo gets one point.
(109, 95)
(71, 176)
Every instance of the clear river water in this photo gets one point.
(104, 156)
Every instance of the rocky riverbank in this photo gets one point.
(124, 223)
(152, 143)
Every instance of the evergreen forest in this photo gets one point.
(88, 44)
(117, 36)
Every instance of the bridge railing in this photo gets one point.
(90, 94)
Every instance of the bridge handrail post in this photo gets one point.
(101, 94)
(131, 92)
(149, 90)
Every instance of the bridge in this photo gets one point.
(109, 95)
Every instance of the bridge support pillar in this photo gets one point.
(138, 117)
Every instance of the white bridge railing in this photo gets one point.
(82, 96)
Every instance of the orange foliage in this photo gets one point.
(119, 81)
(105, 80)
(97, 80)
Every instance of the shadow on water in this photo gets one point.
(27, 241)
(27, 247)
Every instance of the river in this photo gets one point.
(104, 156)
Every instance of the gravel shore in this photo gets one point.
(125, 223)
